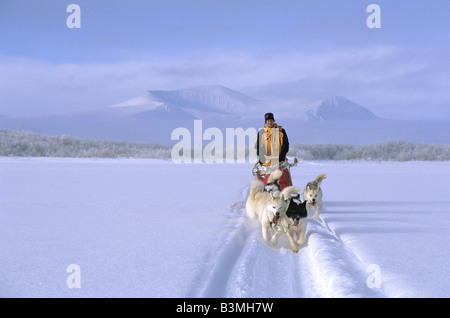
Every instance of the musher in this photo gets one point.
(274, 140)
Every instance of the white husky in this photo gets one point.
(268, 205)
(312, 194)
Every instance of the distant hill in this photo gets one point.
(338, 108)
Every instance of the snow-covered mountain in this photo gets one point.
(219, 102)
(154, 115)
(201, 102)
(338, 108)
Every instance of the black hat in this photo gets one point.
(268, 116)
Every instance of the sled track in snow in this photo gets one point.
(244, 266)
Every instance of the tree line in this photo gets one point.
(15, 143)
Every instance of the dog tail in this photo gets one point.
(274, 176)
(320, 178)
(288, 191)
(256, 186)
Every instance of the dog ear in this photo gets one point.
(274, 195)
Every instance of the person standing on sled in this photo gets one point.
(272, 143)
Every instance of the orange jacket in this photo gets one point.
(267, 136)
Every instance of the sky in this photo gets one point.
(290, 52)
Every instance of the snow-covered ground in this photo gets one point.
(146, 228)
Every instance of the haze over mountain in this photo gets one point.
(219, 102)
(153, 115)
(201, 102)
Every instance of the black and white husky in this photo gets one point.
(292, 223)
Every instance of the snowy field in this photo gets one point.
(146, 228)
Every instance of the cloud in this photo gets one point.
(378, 76)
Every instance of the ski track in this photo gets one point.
(244, 266)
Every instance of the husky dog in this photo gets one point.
(293, 223)
(312, 194)
(268, 206)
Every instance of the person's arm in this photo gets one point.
(284, 147)
(257, 145)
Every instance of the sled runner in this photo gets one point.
(262, 173)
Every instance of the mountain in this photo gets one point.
(333, 120)
(201, 102)
(338, 108)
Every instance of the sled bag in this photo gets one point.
(284, 181)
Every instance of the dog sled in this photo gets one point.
(263, 173)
